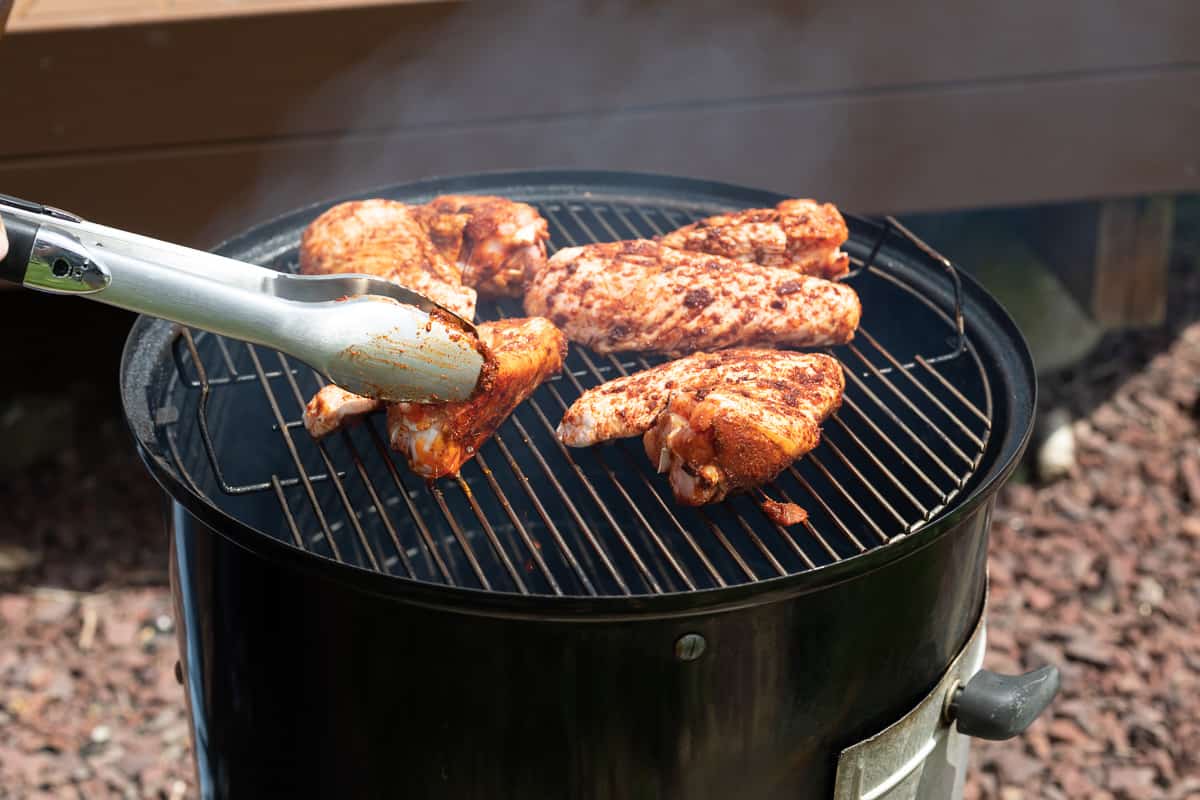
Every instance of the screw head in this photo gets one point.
(689, 647)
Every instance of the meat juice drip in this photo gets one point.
(783, 514)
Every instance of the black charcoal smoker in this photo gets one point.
(551, 624)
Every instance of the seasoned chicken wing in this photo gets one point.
(643, 295)
(433, 249)
(714, 422)
(438, 438)
(801, 235)
(498, 243)
(384, 238)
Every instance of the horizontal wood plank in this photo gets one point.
(40, 16)
(408, 68)
(926, 150)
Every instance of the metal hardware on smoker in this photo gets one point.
(994, 706)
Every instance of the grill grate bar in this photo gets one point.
(974, 409)
(351, 514)
(962, 426)
(567, 552)
(903, 398)
(758, 542)
(431, 549)
(729, 548)
(291, 448)
(491, 534)
(363, 475)
(227, 357)
(637, 512)
(683, 573)
(591, 490)
(657, 494)
(858, 382)
(874, 459)
(849, 498)
(460, 535)
(287, 513)
(562, 494)
(848, 402)
(535, 551)
(868, 485)
(378, 504)
(826, 507)
(829, 551)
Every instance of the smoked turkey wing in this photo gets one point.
(801, 235)
(384, 238)
(714, 422)
(644, 295)
(497, 243)
(438, 438)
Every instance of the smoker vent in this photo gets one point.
(529, 516)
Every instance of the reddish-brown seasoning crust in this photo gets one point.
(498, 243)
(801, 235)
(384, 238)
(716, 422)
(437, 438)
(643, 295)
(446, 250)
(488, 242)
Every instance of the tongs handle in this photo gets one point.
(380, 347)
(21, 233)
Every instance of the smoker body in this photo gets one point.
(553, 625)
(300, 685)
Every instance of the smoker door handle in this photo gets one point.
(994, 706)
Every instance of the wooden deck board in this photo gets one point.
(53, 15)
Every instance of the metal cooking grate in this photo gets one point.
(530, 516)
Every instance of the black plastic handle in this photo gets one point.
(993, 706)
(21, 233)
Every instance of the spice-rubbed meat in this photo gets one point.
(715, 422)
(384, 238)
(432, 249)
(643, 295)
(438, 438)
(498, 243)
(802, 235)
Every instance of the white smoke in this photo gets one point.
(668, 86)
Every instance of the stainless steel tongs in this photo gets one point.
(366, 334)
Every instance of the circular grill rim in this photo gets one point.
(149, 341)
